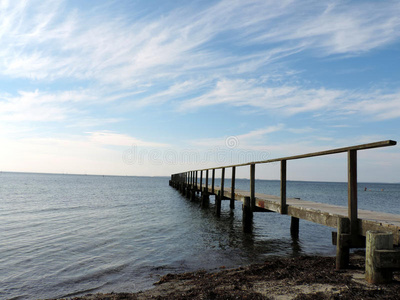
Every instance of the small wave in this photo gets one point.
(95, 275)
(82, 292)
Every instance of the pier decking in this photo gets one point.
(353, 225)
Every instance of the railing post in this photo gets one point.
(212, 182)
(232, 202)
(352, 191)
(252, 187)
(207, 180)
(283, 187)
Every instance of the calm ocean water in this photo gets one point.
(67, 235)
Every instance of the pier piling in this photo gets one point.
(247, 220)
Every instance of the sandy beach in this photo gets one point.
(305, 277)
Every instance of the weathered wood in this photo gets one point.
(252, 186)
(247, 218)
(196, 180)
(283, 187)
(387, 259)
(342, 247)
(294, 227)
(232, 202)
(373, 272)
(352, 191)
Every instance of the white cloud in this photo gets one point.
(58, 43)
(287, 99)
(117, 139)
(290, 99)
(42, 106)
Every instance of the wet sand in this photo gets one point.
(305, 277)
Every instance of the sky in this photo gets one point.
(158, 87)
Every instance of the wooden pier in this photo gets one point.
(353, 225)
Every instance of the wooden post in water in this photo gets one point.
(283, 188)
(220, 196)
(201, 181)
(193, 194)
(352, 191)
(196, 181)
(342, 243)
(247, 218)
(212, 181)
(294, 227)
(205, 198)
(232, 202)
(218, 204)
(188, 185)
(222, 183)
(207, 181)
(252, 187)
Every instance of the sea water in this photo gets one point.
(68, 235)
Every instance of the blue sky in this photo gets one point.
(156, 87)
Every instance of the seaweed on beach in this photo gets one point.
(297, 278)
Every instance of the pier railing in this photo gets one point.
(191, 177)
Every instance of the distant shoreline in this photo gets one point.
(167, 176)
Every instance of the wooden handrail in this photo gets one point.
(307, 155)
